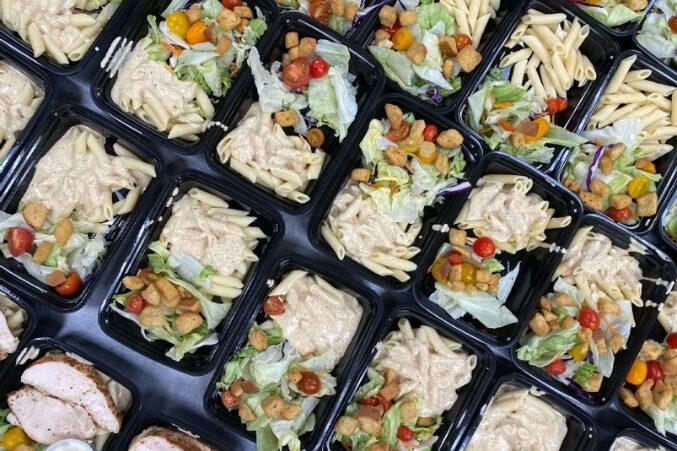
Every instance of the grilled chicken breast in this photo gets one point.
(71, 380)
(47, 420)
(157, 438)
(8, 342)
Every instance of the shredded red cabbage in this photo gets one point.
(593, 166)
(461, 187)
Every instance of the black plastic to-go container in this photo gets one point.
(662, 224)
(28, 329)
(184, 394)
(536, 266)
(160, 420)
(665, 165)
(598, 47)
(620, 31)
(656, 62)
(655, 266)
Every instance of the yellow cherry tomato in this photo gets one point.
(468, 272)
(637, 373)
(437, 270)
(579, 352)
(196, 33)
(639, 186)
(543, 127)
(178, 23)
(426, 158)
(645, 165)
(14, 437)
(411, 145)
(402, 39)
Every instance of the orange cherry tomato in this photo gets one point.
(637, 373)
(672, 23)
(462, 40)
(71, 286)
(197, 33)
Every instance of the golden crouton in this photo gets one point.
(210, 33)
(244, 12)
(447, 45)
(650, 350)
(671, 381)
(644, 395)
(425, 421)
(416, 53)
(568, 322)
(370, 419)
(242, 26)
(544, 304)
(457, 285)
(669, 366)
(381, 35)
(291, 39)
(388, 16)
(636, 5)
(471, 289)
(227, 19)
(55, 278)
(272, 406)
(549, 316)
(390, 391)
(408, 410)
(468, 58)
(42, 252)
(592, 200)
(599, 187)
(628, 397)
(517, 140)
(337, 7)
(286, 59)
(236, 388)
(295, 375)
(290, 411)
(351, 11)
(346, 425)
(170, 295)
(606, 165)
(63, 232)
(608, 306)
(151, 295)
(447, 69)
(258, 339)
(594, 383)
(133, 282)
(246, 413)
(408, 18)
(562, 299)
(571, 184)
(669, 354)
(481, 286)
(294, 53)
(223, 45)
(616, 342)
(307, 47)
(482, 275)
(189, 305)
(152, 317)
(539, 325)
(389, 375)
(457, 237)
(380, 446)
(620, 201)
(394, 115)
(442, 163)
(396, 156)
(416, 131)
(647, 205)
(360, 174)
(662, 395)
(193, 13)
(35, 214)
(615, 151)
(449, 139)
(287, 118)
(188, 322)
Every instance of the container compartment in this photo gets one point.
(28, 327)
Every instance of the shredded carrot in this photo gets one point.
(175, 50)
(506, 126)
(608, 324)
(502, 104)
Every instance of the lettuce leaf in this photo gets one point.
(432, 13)
(612, 15)
(540, 351)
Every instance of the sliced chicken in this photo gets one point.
(69, 379)
(47, 420)
(8, 342)
(157, 438)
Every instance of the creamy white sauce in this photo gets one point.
(362, 229)
(668, 313)
(318, 317)
(12, 323)
(517, 420)
(66, 178)
(19, 98)
(627, 444)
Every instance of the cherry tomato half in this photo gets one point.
(404, 433)
(619, 214)
(310, 383)
(588, 318)
(398, 134)
(71, 286)
(672, 340)
(672, 23)
(462, 40)
(296, 74)
(274, 306)
(14, 437)
(637, 373)
(197, 33)
(19, 240)
(455, 258)
(392, 30)
(556, 367)
(372, 401)
(484, 247)
(320, 10)
(556, 105)
(319, 68)
(230, 4)
(430, 133)
(135, 303)
(315, 137)
(229, 400)
(654, 371)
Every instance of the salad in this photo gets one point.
(309, 88)
(670, 223)
(423, 49)
(515, 120)
(340, 15)
(659, 31)
(614, 13)
(614, 175)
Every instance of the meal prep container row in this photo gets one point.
(184, 394)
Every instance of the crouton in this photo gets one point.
(468, 58)
(350, 11)
(416, 53)
(337, 7)
(416, 130)
(562, 299)
(394, 115)
(471, 289)
(223, 45)
(249, 387)
(662, 395)
(55, 278)
(381, 35)
(210, 33)
(482, 275)
(246, 413)
(571, 184)
(601, 345)
(427, 150)
(272, 406)
(346, 425)
(457, 237)
(388, 16)
(188, 322)
(620, 201)
(539, 325)
(408, 410)
(293, 53)
(244, 12)
(669, 354)
(628, 398)
(63, 232)
(360, 174)
(287, 118)
(258, 339)
(554, 325)
(35, 214)
(615, 151)
(447, 45)
(380, 446)
(616, 342)
(307, 47)
(669, 366)
(447, 69)
(236, 388)
(584, 334)
(396, 156)
(151, 295)
(455, 273)
(549, 316)
(189, 305)
(408, 18)
(291, 39)
(650, 350)
(567, 322)
(517, 140)
(449, 139)
(42, 252)
(671, 381)
(242, 26)
(370, 419)
(606, 165)
(594, 383)
(442, 164)
(295, 375)
(425, 421)
(290, 411)
(599, 187)
(643, 394)
(457, 285)
(647, 205)
(636, 5)
(152, 316)
(389, 375)
(193, 13)
(608, 306)
(170, 295)
(591, 200)
(390, 391)
(544, 304)
(227, 19)
(133, 282)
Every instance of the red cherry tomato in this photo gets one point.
(430, 133)
(556, 367)
(230, 4)
(229, 400)
(320, 10)
(556, 105)
(296, 74)
(672, 23)
(654, 371)
(619, 214)
(392, 30)
(19, 240)
(404, 433)
(71, 286)
(484, 247)
(588, 318)
(398, 134)
(672, 340)
(310, 383)
(135, 303)
(274, 306)
(462, 40)
(372, 401)
(455, 258)
(319, 68)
